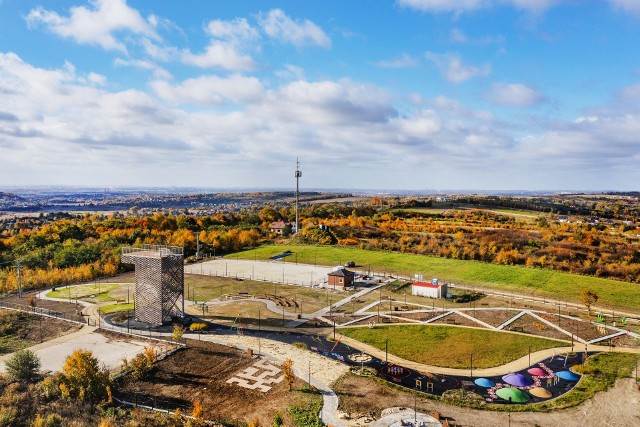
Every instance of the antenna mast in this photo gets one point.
(298, 175)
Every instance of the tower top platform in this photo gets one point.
(152, 251)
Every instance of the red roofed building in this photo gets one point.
(341, 278)
(432, 290)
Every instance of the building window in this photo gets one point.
(340, 280)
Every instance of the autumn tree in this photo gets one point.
(588, 298)
(287, 371)
(83, 378)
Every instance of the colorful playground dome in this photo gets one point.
(567, 375)
(540, 392)
(517, 379)
(538, 372)
(484, 382)
(512, 394)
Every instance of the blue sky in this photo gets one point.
(404, 94)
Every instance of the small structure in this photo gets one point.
(341, 278)
(433, 289)
(280, 226)
(159, 294)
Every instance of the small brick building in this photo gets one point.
(341, 278)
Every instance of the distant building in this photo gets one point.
(432, 290)
(278, 227)
(341, 278)
(563, 218)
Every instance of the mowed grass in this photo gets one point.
(115, 308)
(532, 281)
(449, 346)
(90, 293)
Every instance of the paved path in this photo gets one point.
(514, 366)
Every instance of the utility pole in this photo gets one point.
(19, 268)
(298, 175)
(197, 245)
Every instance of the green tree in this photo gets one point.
(24, 365)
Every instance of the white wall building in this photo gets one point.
(432, 290)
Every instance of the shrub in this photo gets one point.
(197, 409)
(52, 420)
(177, 333)
(278, 420)
(7, 416)
(24, 365)
(198, 327)
(300, 345)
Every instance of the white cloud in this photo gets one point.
(454, 70)
(328, 102)
(404, 61)
(97, 79)
(632, 6)
(227, 50)
(514, 95)
(460, 6)
(222, 56)
(277, 25)
(211, 90)
(96, 25)
(158, 72)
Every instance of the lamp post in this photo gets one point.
(471, 366)
(386, 351)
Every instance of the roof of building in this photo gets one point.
(427, 285)
(278, 224)
(342, 272)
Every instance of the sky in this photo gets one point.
(367, 94)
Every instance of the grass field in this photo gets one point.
(450, 347)
(91, 293)
(115, 308)
(532, 281)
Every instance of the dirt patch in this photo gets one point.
(63, 309)
(200, 371)
(456, 319)
(19, 330)
(494, 318)
(619, 406)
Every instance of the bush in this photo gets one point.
(24, 365)
(52, 420)
(278, 420)
(198, 327)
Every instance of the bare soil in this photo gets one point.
(31, 329)
(619, 406)
(64, 308)
(200, 372)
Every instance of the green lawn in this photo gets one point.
(115, 308)
(91, 293)
(449, 346)
(520, 279)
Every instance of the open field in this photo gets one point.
(538, 282)
(448, 346)
(308, 300)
